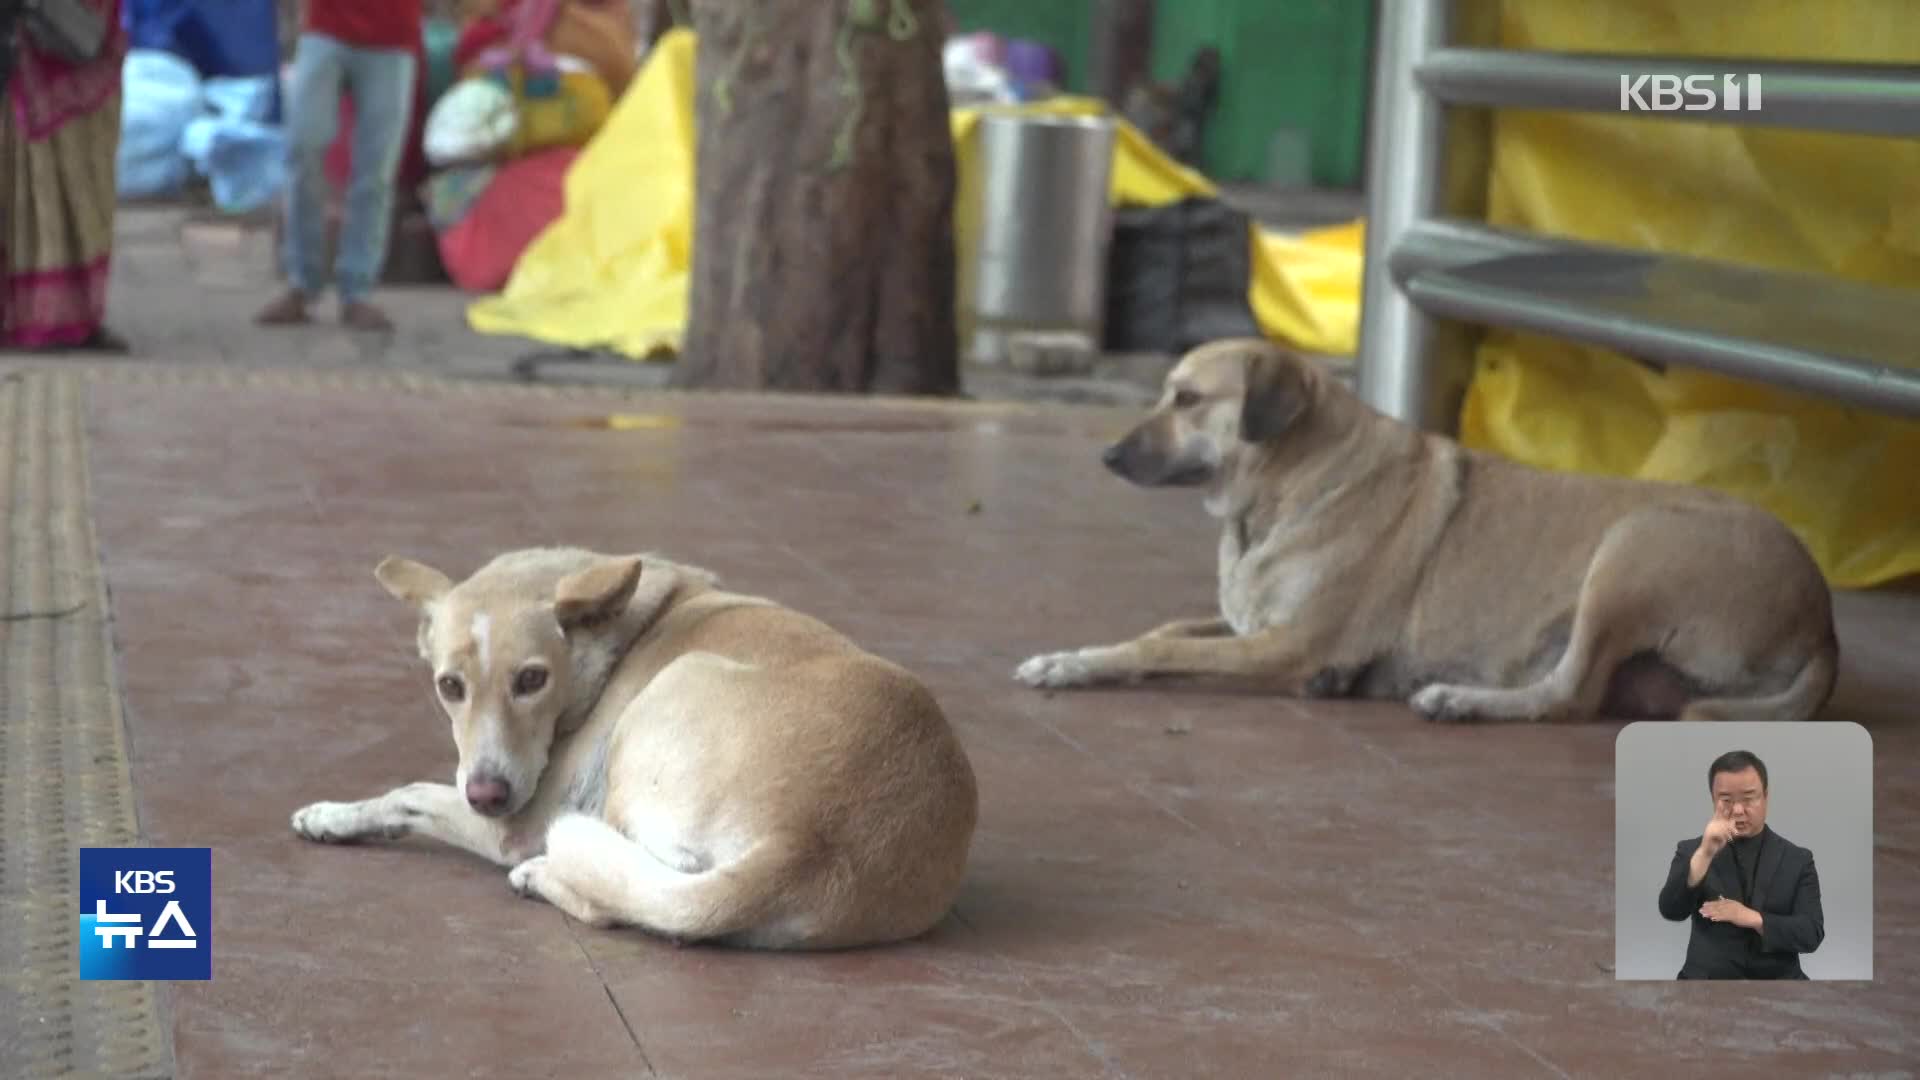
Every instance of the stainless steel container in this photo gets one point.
(1033, 228)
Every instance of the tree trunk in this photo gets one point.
(652, 19)
(1122, 48)
(823, 220)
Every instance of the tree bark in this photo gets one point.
(823, 221)
(651, 20)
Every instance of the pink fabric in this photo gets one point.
(526, 40)
(526, 195)
(47, 91)
(55, 308)
(480, 35)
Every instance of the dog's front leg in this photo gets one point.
(1213, 626)
(1060, 669)
(436, 811)
(1275, 658)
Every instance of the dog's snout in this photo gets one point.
(1113, 455)
(488, 794)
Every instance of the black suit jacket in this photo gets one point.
(1786, 893)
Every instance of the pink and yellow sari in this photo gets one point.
(59, 132)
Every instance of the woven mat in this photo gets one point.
(64, 782)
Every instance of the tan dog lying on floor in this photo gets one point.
(1361, 557)
(704, 765)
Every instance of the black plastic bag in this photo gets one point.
(1177, 277)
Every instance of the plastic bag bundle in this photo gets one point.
(474, 121)
(242, 156)
(160, 95)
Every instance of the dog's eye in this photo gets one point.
(529, 680)
(1185, 399)
(452, 688)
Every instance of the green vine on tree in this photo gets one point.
(863, 16)
(723, 82)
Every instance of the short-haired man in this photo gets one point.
(1752, 894)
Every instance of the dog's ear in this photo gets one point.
(416, 583)
(597, 593)
(1275, 396)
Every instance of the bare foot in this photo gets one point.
(360, 315)
(288, 309)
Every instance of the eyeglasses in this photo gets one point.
(1747, 801)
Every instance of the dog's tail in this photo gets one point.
(738, 898)
(1801, 700)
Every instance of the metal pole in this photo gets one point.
(1405, 163)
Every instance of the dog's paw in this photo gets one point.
(1055, 671)
(536, 879)
(1444, 704)
(526, 878)
(328, 822)
(344, 823)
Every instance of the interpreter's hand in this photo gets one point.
(1731, 911)
(1719, 830)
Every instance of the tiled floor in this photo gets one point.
(1164, 883)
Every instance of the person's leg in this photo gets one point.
(312, 119)
(96, 201)
(381, 81)
(57, 205)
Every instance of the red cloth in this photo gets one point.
(478, 36)
(369, 24)
(525, 196)
(45, 91)
(52, 308)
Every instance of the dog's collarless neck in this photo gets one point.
(659, 594)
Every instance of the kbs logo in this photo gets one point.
(1694, 93)
(142, 881)
(146, 913)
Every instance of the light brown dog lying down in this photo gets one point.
(642, 748)
(1360, 557)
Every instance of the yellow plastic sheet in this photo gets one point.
(612, 272)
(1306, 288)
(1848, 481)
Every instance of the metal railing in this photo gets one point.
(1432, 270)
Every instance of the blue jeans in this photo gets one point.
(381, 82)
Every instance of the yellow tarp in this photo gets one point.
(1848, 481)
(612, 272)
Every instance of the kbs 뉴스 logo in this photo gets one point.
(146, 913)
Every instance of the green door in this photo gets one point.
(1286, 65)
(1291, 69)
